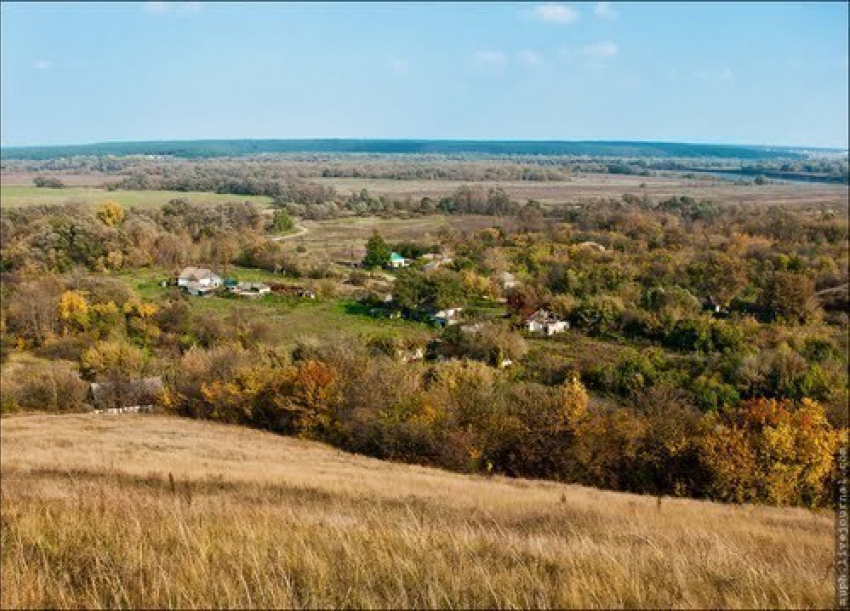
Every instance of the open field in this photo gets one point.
(91, 518)
(593, 186)
(16, 190)
(13, 196)
(338, 236)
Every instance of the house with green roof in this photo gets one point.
(396, 260)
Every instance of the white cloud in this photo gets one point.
(601, 50)
(400, 66)
(530, 57)
(556, 13)
(492, 60)
(42, 64)
(603, 10)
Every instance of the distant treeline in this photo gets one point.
(194, 149)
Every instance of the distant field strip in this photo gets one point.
(149, 511)
(13, 196)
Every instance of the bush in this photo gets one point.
(598, 315)
(53, 386)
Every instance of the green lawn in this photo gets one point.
(291, 317)
(15, 196)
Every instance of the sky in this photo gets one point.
(734, 73)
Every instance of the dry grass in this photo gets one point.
(338, 236)
(16, 196)
(90, 518)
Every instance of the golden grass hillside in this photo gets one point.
(152, 511)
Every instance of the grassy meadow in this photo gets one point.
(153, 511)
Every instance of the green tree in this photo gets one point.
(377, 251)
(281, 222)
(790, 297)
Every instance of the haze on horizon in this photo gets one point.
(744, 73)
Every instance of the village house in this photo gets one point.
(543, 321)
(199, 281)
(126, 395)
(446, 317)
(396, 260)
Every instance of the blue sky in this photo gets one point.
(748, 73)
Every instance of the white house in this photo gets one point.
(396, 260)
(543, 321)
(198, 280)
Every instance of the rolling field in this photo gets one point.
(154, 511)
(13, 196)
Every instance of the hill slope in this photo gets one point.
(155, 511)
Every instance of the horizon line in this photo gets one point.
(467, 140)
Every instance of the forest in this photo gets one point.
(235, 148)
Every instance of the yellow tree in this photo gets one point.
(73, 309)
(574, 401)
(111, 213)
(778, 452)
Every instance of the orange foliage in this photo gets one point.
(780, 452)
